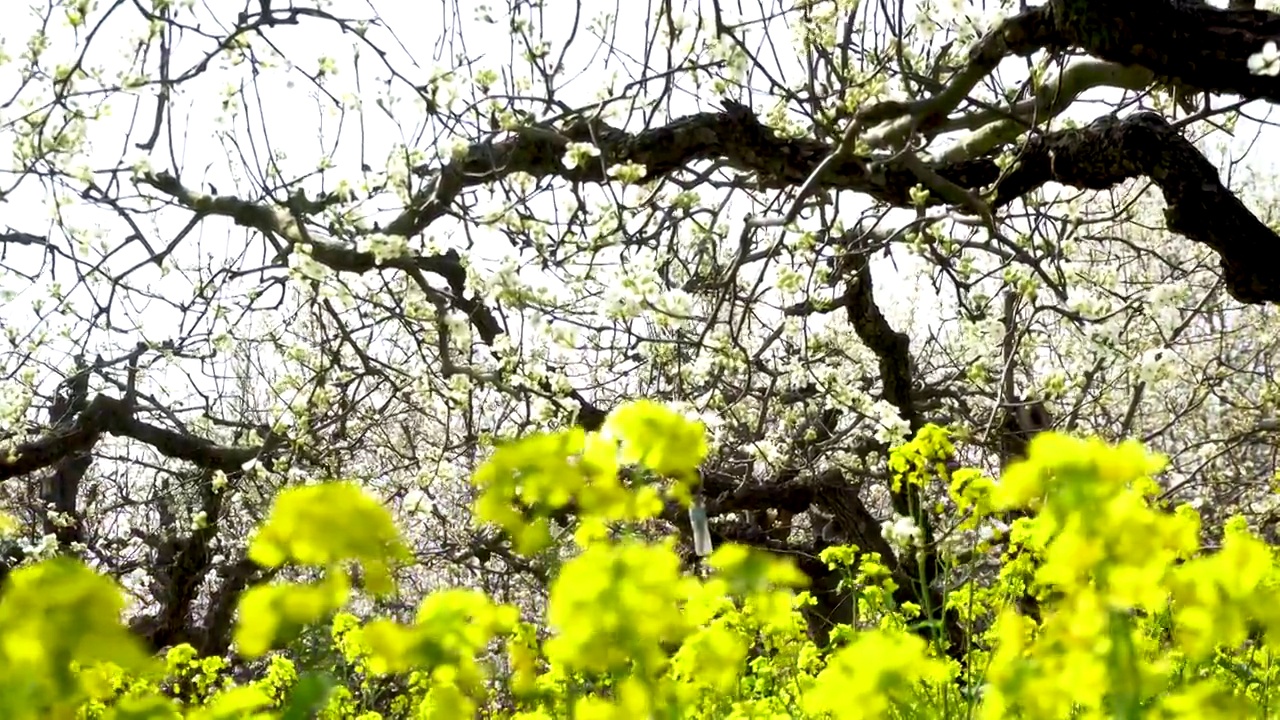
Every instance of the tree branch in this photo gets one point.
(1108, 152)
(108, 415)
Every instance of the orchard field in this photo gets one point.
(698, 359)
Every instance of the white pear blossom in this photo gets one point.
(1266, 62)
(385, 247)
(42, 549)
(1156, 364)
(576, 154)
(901, 532)
(992, 529)
(626, 172)
(891, 428)
(416, 502)
(302, 265)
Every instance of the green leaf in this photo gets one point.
(308, 696)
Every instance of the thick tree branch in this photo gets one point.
(108, 415)
(1107, 152)
(1112, 150)
(1194, 43)
(1185, 41)
(1199, 46)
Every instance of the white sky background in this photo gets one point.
(302, 125)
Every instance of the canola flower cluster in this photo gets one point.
(1138, 620)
